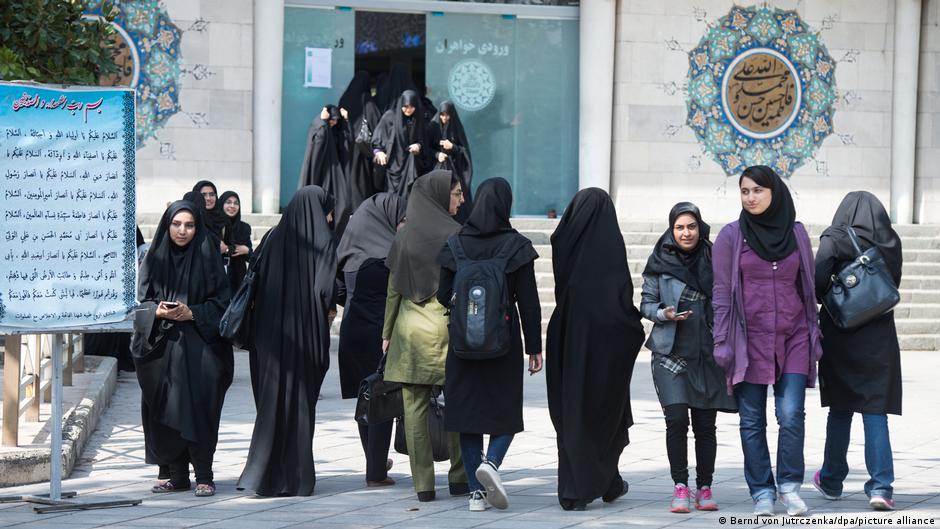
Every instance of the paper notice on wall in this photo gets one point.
(318, 68)
(69, 251)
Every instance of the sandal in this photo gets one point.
(165, 486)
(205, 489)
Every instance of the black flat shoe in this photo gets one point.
(615, 492)
(570, 505)
(459, 489)
(426, 495)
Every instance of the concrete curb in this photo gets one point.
(32, 465)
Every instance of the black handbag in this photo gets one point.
(440, 441)
(379, 401)
(235, 325)
(364, 138)
(862, 291)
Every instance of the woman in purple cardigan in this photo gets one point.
(766, 332)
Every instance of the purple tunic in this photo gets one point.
(732, 351)
(777, 334)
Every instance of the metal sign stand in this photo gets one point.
(56, 500)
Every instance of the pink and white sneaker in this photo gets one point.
(704, 500)
(681, 503)
(880, 503)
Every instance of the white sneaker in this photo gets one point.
(764, 507)
(478, 502)
(794, 503)
(489, 478)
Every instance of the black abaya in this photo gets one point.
(860, 369)
(326, 163)
(393, 135)
(291, 351)
(485, 396)
(235, 232)
(593, 340)
(184, 367)
(458, 156)
(365, 177)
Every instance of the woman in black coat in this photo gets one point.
(361, 259)
(593, 340)
(397, 143)
(860, 369)
(183, 366)
(236, 239)
(449, 149)
(485, 396)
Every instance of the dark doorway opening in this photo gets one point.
(391, 41)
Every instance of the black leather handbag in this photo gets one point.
(363, 139)
(235, 325)
(862, 291)
(440, 441)
(379, 401)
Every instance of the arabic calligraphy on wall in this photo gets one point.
(148, 60)
(761, 90)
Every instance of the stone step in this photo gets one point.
(546, 280)
(642, 252)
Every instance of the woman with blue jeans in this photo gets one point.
(484, 396)
(766, 332)
(861, 370)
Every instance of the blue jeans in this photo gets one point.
(878, 458)
(789, 397)
(471, 446)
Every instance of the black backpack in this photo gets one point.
(480, 319)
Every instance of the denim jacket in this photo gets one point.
(659, 292)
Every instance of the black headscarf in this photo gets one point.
(393, 135)
(356, 94)
(692, 268)
(325, 163)
(458, 158)
(228, 227)
(214, 218)
(488, 227)
(867, 216)
(370, 231)
(770, 234)
(413, 256)
(392, 85)
(170, 272)
(593, 340)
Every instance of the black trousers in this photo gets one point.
(177, 471)
(677, 445)
(376, 439)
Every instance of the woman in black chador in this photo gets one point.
(860, 369)
(365, 179)
(449, 149)
(236, 239)
(397, 143)
(593, 340)
(184, 367)
(361, 257)
(212, 216)
(485, 396)
(291, 353)
(327, 160)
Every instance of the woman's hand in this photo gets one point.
(324, 114)
(385, 342)
(441, 157)
(447, 145)
(330, 316)
(414, 148)
(670, 314)
(535, 363)
(381, 158)
(343, 112)
(240, 249)
(180, 312)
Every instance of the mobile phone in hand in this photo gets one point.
(171, 304)
(683, 313)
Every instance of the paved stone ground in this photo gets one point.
(112, 466)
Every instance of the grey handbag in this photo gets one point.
(862, 291)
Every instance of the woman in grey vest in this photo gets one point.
(677, 291)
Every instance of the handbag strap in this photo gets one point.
(855, 243)
(381, 369)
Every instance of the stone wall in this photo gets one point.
(657, 160)
(210, 138)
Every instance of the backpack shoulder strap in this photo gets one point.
(453, 242)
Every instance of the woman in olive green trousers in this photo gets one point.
(415, 331)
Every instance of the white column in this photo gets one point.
(268, 71)
(904, 108)
(597, 41)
